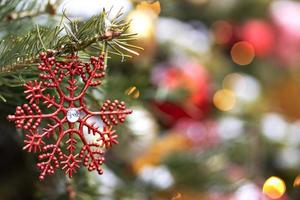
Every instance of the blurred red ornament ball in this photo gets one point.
(260, 34)
(194, 80)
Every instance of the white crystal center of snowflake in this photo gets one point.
(73, 115)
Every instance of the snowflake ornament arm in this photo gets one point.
(71, 147)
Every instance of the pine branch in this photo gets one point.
(12, 10)
(19, 55)
(18, 52)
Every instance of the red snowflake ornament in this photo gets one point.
(68, 116)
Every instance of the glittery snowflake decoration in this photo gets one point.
(69, 126)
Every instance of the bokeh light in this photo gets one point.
(242, 53)
(274, 127)
(293, 138)
(133, 92)
(247, 191)
(157, 176)
(224, 100)
(230, 128)
(223, 31)
(88, 8)
(260, 34)
(230, 80)
(288, 158)
(146, 125)
(142, 22)
(274, 187)
(245, 87)
(297, 181)
(188, 36)
(155, 7)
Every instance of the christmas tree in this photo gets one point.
(211, 90)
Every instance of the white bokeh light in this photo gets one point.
(183, 35)
(286, 14)
(107, 183)
(158, 176)
(247, 88)
(294, 134)
(288, 157)
(88, 8)
(230, 128)
(274, 127)
(142, 23)
(141, 122)
(248, 191)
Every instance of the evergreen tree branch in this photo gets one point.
(19, 55)
(13, 10)
(18, 52)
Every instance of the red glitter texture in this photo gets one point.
(71, 147)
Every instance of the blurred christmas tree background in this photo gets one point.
(215, 96)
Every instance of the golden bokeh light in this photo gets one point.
(230, 80)
(297, 181)
(242, 53)
(224, 100)
(142, 22)
(133, 92)
(274, 187)
(155, 7)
